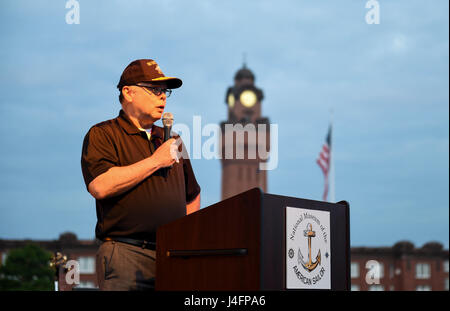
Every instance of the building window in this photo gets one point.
(86, 284)
(422, 271)
(354, 270)
(87, 265)
(391, 271)
(446, 284)
(381, 268)
(4, 256)
(376, 288)
(354, 288)
(423, 288)
(446, 266)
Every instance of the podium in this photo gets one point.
(256, 241)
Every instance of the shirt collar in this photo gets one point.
(157, 132)
(126, 123)
(130, 128)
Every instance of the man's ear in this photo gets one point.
(126, 93)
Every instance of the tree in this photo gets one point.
(27, 268)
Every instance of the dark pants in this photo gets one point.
(125, 267)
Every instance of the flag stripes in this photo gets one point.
(324, 162)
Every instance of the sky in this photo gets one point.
(384, 87)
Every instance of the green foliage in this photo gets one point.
(27, 268)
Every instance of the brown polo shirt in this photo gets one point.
(157, 200)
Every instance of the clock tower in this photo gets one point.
(250, 135)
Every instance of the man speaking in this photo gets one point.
(138, 182)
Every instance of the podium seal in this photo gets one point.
(308, 258)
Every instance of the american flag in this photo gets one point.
(324, 161)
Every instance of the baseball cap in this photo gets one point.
(146, 70)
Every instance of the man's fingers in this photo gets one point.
(174, 152)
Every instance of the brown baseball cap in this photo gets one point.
(146, 70)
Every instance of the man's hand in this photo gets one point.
(167, 153)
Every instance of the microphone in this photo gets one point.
(167, 121)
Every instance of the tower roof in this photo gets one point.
(244, 75)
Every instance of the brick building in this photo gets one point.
(241, 170)
(400, 268)
(397, 268)
(82, 251)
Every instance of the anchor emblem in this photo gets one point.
(310, 265)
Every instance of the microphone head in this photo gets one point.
(167, 119)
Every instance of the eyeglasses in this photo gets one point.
(156, 90)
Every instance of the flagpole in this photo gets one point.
(332, 198)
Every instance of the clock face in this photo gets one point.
(230, 100)
(248, 98)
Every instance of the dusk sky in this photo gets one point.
(386, 83)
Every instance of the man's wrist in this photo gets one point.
(153, 164)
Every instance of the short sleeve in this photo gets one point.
(192, 187)
(98, 154)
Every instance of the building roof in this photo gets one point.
(67, 241)
(244, 74)
(403, 248)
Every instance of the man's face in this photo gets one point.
(145, 102)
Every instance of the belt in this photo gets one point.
(141, 243)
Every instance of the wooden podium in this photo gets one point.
(240, 244)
